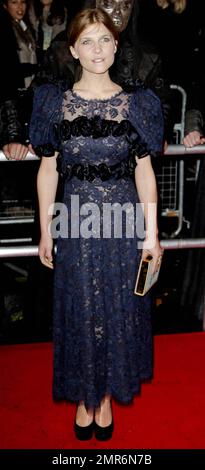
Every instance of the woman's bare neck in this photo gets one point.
(96, 89)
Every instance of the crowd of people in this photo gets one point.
(110, 80)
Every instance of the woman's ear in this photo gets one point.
(115, 48)
(73, 52)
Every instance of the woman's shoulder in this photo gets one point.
(48, 88)
(143, 101)
(140, 92)
(48, 94)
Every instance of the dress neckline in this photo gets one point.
(102, 100)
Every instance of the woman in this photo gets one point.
(25, 43)
(102, 331)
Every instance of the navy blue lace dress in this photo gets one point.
(102, 331)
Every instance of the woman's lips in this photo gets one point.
(98, 60)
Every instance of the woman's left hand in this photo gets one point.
(156, 252)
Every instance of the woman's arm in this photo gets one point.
(147, 191)
(47, 181)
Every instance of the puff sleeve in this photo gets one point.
(145, 115)
(44, 120)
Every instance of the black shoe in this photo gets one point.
(84, 433)
(103, 433)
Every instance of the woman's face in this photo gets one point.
(95, 49)
(118, 10)
(16, 9)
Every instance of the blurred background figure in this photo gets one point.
(19, 62)
(25, 47)
(48, 18)
(177, 30)
(193, 287)
(18, 68)
(171, 26)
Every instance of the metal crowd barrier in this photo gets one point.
(178, 150)
(174, 149)
(23, 251)
(170, 178)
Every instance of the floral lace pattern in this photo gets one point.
(102, 331)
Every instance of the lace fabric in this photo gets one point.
(102, 331)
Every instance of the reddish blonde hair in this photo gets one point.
(89, 17)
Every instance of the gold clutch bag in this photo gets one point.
(145, 278)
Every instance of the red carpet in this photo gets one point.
(170, 412)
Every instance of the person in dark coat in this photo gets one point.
(193, 286)
(19, 65)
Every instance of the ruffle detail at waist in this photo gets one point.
(89, 172)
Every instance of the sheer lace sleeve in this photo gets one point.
(146, 117)
(45, 117)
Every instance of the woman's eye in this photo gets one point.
(106, 39)
(86, 41)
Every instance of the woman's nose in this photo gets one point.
(97, 47)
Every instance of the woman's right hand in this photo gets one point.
(45, 250)
(15, 151)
